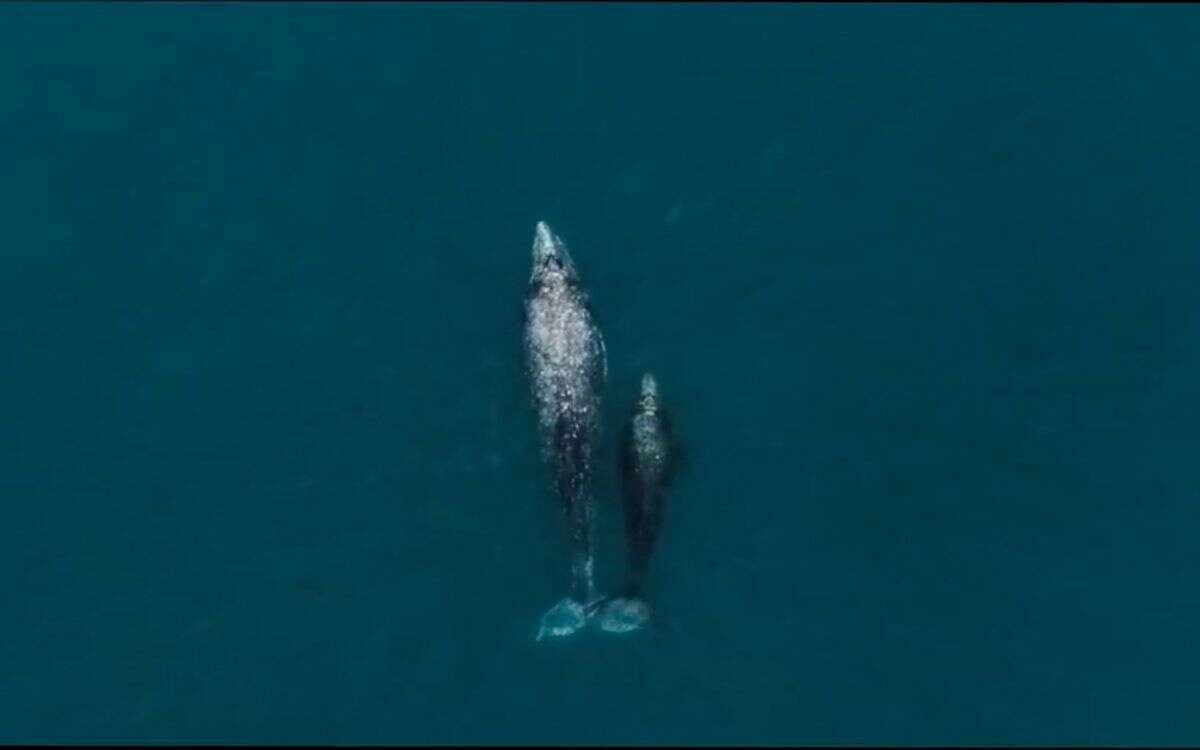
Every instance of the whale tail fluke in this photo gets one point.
(624, 614)
(569, 615)
(562, 619)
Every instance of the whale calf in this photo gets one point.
(646, 465)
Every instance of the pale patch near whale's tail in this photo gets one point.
(624, 614)
(568, 616)
(562, 619)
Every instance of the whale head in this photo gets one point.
(552, 265)
(648, 402)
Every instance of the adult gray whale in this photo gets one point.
(567, 368)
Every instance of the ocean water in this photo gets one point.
(919, 283)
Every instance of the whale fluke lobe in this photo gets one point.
(625, 614)
(562, 619)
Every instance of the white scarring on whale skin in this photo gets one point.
(564, 347)
(648, 438)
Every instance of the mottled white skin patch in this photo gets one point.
(624, 615)
(649, 398)
(649, 442)
(562, 619)
(563, 345)
(567, 366)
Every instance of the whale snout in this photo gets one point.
(544, 236)
(649, 386)
(550, 256)
(648, 403)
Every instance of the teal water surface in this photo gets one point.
(919, 283)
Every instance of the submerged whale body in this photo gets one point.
(567, 367)
(646, 464)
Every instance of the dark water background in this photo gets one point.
(920, 282)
